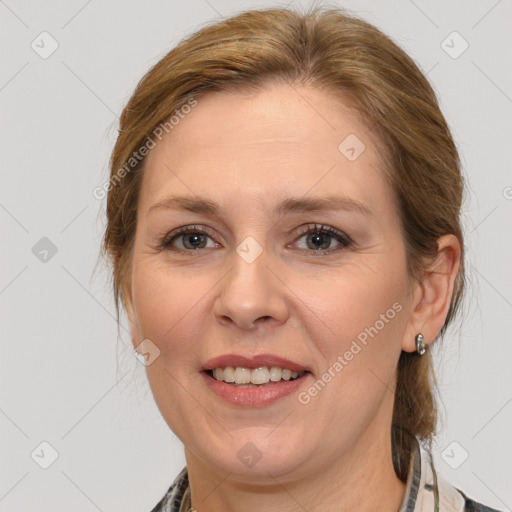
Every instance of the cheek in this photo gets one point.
(169, 310)
(360, 316)
(360, 313)
(354, 301)
(167, 302)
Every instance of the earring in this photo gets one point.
(421, 346)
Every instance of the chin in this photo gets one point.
(255, 454)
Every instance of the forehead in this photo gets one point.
(279, 140)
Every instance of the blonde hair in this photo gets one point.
(330, 49)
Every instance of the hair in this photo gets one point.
(326, 48)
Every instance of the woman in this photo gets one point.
(283, 224)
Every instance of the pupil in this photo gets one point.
(194, 239)
(317, 238)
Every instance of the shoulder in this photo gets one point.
(474, 506)
(172, 499)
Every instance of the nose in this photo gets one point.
(251, 295)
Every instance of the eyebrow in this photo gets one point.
(290, 205)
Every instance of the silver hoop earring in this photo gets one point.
(421, 346)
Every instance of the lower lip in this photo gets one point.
(257, 396)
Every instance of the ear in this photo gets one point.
(432, 295)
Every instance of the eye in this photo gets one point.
(191, 237)
(319, 237)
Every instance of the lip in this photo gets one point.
(257, 396)
(253, 362)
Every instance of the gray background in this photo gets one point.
(66, 379)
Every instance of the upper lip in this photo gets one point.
(252, 362)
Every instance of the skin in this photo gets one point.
(248, 152)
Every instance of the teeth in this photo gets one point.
(257, 376)
(242, 375)
(229, 374)
(219, 374)
(275, 374)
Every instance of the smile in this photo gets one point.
(241, 376)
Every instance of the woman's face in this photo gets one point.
(255, 278)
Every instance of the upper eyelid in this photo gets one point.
(209, 231)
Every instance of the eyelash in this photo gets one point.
(345, 241)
